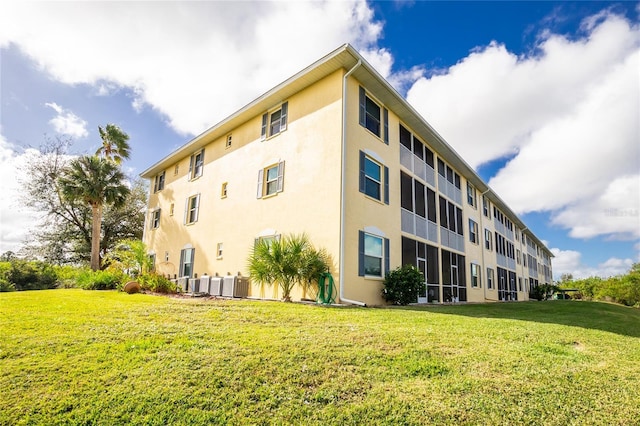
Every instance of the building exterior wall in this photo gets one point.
(365, 221)
(309, 201)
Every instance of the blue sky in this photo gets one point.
(542, 98)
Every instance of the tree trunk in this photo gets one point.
(96, 224)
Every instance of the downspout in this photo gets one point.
(343, 183)
(484, 287)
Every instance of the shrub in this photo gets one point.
(403, 285)
(156, 283)
(30, 275)
(100, 280)
(6, 285)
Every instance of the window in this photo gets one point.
(450, 216)
(171, 209)
(473, 232)
(155, 219)
(223, 190)
(489, 278)
(166, 256)
(488, 240)
(486, 205)
(176, 169)
(519, 283)
(158, 184)
(373, 117)
(374, 178)
(219, 250)
(186, 262)
(471, 196)
(191, 211)
(196, 164)
(270, 180)
(475, 276)
(518, 256)
(229, 140)
(152, 262)
(274, 122)
(373, 255)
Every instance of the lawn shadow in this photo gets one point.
(602, 316)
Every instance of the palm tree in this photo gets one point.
(115, 145)
(286, 262)
(95, 181)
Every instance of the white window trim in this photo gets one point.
(188, 209)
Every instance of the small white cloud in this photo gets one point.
(570, 262)
(67, 123)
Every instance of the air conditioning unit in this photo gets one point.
(182, 284)
(242, 287)
(205, 282)
(193, 285)
(228, 286)
(215, 288)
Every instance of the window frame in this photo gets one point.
(192, 212)
(472, 198)
(476, 275)
(488, 239)
(155, 219)
(381, 130)
(364, 178)
(196, 164)
(490, 278)
(159, 181)
(473, 231)
(224, 190)
(219, 250)
(229, 141)
(183, 261)
(267, 129)
(363, 255)
(263, 180)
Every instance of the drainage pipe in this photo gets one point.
(344, 185)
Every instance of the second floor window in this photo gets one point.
(155, 219)
(374, 178)
(270, 180)
(191, 212)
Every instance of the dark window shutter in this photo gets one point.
(362, 114)
(283, 116)
(362, 173)
(181, 263)
(263, 134)
(386, 256)
(385, 117)
(280, 176)
(386, 185)
(260, 182)
(361, 253)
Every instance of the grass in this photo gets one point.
(88, 357)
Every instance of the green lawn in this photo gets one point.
(82, 357)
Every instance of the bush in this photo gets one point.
(156, 283)
(403, 285)
(6, 285)
(29, 275)
(100, 280)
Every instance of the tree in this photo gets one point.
(115, 145)
(96, 182)
(63, 234)
(289, 261)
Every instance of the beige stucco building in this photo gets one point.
(335, 152)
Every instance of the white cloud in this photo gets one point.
(66, 122)
(15, 220)
(195, 63)
(568, 115)
(570, 262)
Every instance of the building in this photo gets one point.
(337, 153)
